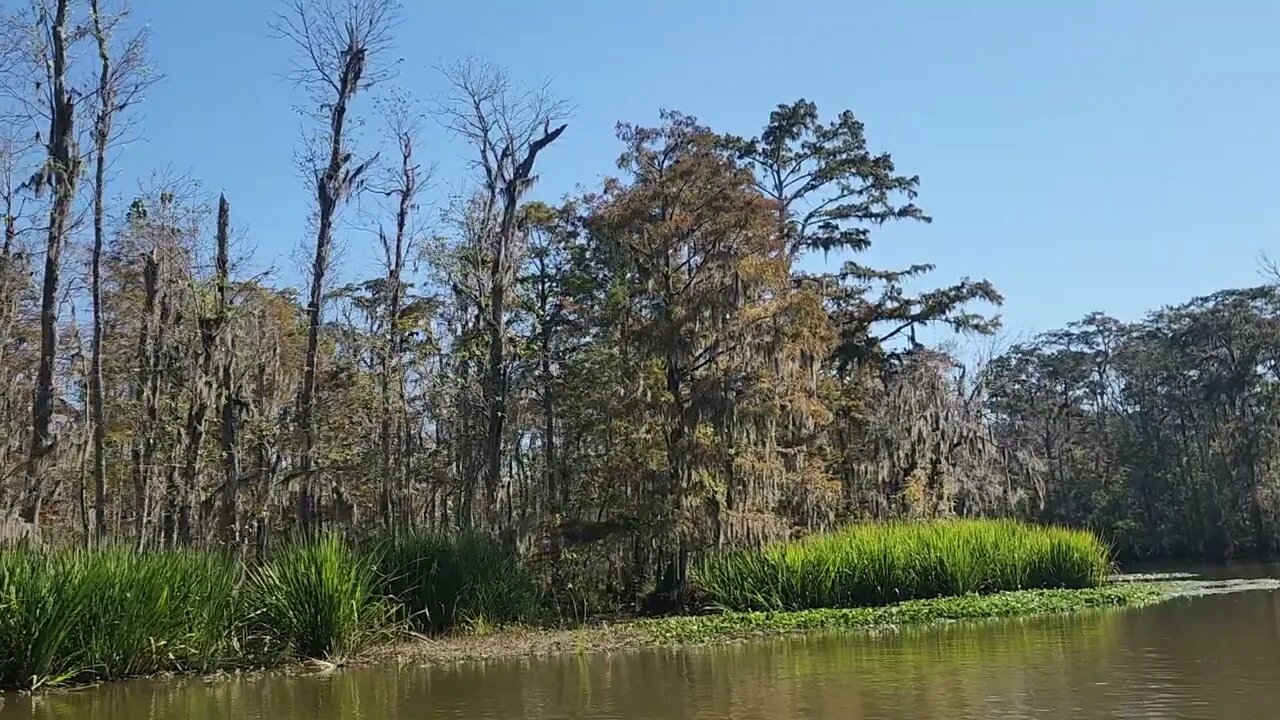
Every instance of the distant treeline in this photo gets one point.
(1162, 433)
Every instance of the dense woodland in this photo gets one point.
(610, 383)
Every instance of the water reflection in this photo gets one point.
(1209, 657)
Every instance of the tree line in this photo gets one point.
(633, 374)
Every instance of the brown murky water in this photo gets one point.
(1206, 657)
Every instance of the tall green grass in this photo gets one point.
(318, 599)
(443, 581)
(74, 614)
(110, 613)
(877, 564)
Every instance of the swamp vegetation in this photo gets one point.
(686, 384)
(82, 615)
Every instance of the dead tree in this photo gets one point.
(402, 185)
(59, 175)
(507, 127)
(121, 81)
(340, 44)
(145, 396)
(228, 389)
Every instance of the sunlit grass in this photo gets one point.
(877, 564)
(103, 614)
(318, 599)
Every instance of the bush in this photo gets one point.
(444, 581)
(877, 564)
(109, 613)
(318, 599)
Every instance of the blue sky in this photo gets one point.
(1085, 155)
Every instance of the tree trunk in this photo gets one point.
(495, 373)
(332, 187)
(145, 395)
(195, 426)
(97, 413)
(549, 469)
(499, 285)
(61, 172)
(306, 412)
(229, 429)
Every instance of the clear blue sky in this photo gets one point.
(1085, 155)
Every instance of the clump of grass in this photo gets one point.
(109, 613)
(444, 581)
(878, 564)
(318, 599)
(173, 610)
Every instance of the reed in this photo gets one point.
(318, 599)
(882, 563)
(445, 581)
(109, 613)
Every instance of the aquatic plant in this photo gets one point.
(318, 598)
(112, 612)
(682, 629)
(443, 581)
(880, 563)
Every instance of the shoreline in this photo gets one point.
(686, 631)
(724, 628)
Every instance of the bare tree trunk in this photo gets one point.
(229, 430)
(405, 187)
(211, 331)
(508, 130)
(549, 460)
(337, 42)
(9, 299)
(500, 277)
(195, 426)
(144, 396)
(61, 173)
(97, 414)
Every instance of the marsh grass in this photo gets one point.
(110, 613)
(75, 615)
(877, 564)
(318, 599)
(444, 581)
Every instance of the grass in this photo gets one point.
(76, 615)
(110, 613)
(448, 581)
(877, 564)
(319, 599)
(88, 615)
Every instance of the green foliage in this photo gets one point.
(1161, 434)
(318, 599)
(876, 564)
(447, 581)
(110, 613)
(725, 626)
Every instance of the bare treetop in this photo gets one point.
(502, 119)
(326, 31)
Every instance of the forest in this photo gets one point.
(610, 384)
